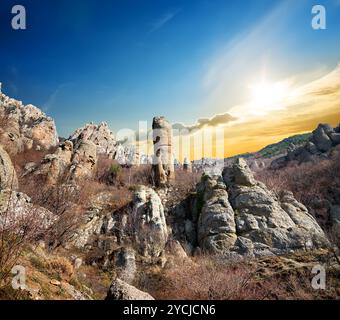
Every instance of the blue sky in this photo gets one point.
(124, 61)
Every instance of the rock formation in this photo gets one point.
(100, 135)
(140, 225)
(21, 213)
(148, 222)
(120, 290)
(8, 176)
(238, 214)
(106, 144)
(84, 160)
(67, 162)
(216, 224)
(163, 163)
(321, 143)
(24, 127)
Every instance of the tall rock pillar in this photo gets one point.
(163, 162)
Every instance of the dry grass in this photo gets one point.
(311, 183)
(214, 278)
(60, 268)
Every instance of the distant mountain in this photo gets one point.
(275, 149)
(282, 146)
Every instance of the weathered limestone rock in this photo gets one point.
(84, 160)
(24, 127)
(163, 163)
(281, 224)
(216, 224)
(8, 176)
(120, 290)
(321, 138)
(53, 166)
(126, 264)
(321, 144)
(21, 213)
(148, 222)
(66, 162)
(100, 135)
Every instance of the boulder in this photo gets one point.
(126, 264)
(216, 225)
(148, 222)
(120, 290)
(21, 213)
(8, 176)
(321, 139)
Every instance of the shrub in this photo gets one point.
(18, 228)
(61, 268)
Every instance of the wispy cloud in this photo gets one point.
(53, 96)
(163, 20)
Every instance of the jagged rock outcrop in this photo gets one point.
(106, 144)
(120, 290)
(320, 144)
(66, 162)
(282, 224)
(163, 162)
(24, 127)
(238, 214)
(148, 222)
(100, 135)
(216, 224)
(140, 225)
(8, 176)
(84, 159)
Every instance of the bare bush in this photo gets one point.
(207, 278)
(214, 278)
(312, 183)
(18, 227)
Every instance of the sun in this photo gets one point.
(267, 96)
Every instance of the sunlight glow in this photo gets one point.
(268, 96)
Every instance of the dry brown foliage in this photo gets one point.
(216, 278)
(17, 230)
(312, 183)
(61, 268)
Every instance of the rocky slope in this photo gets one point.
(229, 215)
(320, 145)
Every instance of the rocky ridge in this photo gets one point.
(320, 145)
(25, 126)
